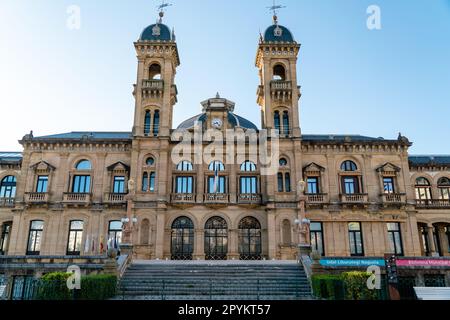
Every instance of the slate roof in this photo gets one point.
(80, 135)
(10, 157)
(429, 160)
(340, 138)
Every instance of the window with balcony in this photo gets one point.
(217, 184)
(444, 188)
(350, 185)
(35, 237)
(313, 185)
(75, 238)
(42, 184)
(81, 184)
(8, 187)
(154, 72)
(316, 233)
(184, 185)
(279, 73)
(356, 239)
(249, 185)
(119, 185)
(395, 238)
(388, 185)
(350, 178)
(423, 190)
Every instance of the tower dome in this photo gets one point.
(156, 32)
(277, 33)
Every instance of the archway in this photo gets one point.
(182, 246)
(216, 239)
(250, 239)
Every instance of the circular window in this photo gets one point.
(283, 162)
(150, 161)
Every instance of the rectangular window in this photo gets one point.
(313, 185)
(355, 238)
(119, 185)
(75, 238)
(395, 238)
(81, 184)
(114, 234)
(388, 185)
(4, 237)
(316, 233)
(350, 185)
(248, 185)
(280, 182)
(42, 184)
(152, 181)
(184, 185)
(217, 185)
(444, 193)
(35, 237)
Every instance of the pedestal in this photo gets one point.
(304, 249)
(126, 249)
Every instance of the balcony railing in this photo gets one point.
(433, 203)
(249, 198)
(77, 198)
(183, 198)
(316, 198)
(393, 198)
(281, 90)
(114, 198)
(36, 197)
(354, 198)
(213, 198)
(152, 88)
(7, 202)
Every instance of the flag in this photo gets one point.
(101, 244)
(86, 245)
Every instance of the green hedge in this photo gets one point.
(346, 286)
(53, 286)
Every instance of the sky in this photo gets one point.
(54, 79)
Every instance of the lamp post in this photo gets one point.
(302, 223)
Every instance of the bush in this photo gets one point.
(355, 283)
(53, 286)
(329, 287)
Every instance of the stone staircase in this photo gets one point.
(216, 280)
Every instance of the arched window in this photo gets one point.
(145, 232)
(348, 166)
(286, 126)
(147, 123)
(84, 165)
(444, 188)
(155, 72)
(216, 166)
(182, 246)
(283, 162)
(423, 191)
(280, 182)
(81, 183)
(149, 181)
(250, 239)
(279, 73)
(185, 166)
(287, 236)
(8, 187)
(156, 123)
(287, 182)
(216, 239)
(248, 166)
(145, 182)
(277, 121)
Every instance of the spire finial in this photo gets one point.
(217, 95)
(161, 9)
(274, 8)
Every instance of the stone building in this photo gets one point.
(78, 193)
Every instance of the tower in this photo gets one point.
(278, 92)
(155, 91)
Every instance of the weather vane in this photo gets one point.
(161, 9)
(275, 7)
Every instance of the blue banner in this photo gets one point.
(352, 262)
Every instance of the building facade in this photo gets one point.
(79, 193)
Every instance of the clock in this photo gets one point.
(217, 123)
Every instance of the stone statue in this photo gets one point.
(131, 186)
(301, 186)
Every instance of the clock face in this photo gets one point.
(216, 123)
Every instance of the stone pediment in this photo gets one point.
(42, 166)
(388, 167)
(119, 166)
(313, 167)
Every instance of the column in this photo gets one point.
(160, 231)
(431, 245)
(442, 240)
(199, 246)
(271, 235)
(233, 244)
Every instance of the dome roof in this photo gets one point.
(233, 119)
(156, 32)
(278, 33)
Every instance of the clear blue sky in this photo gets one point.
(354, 81)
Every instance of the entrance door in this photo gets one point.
(216, 239)
(182, 246)
(250, 239)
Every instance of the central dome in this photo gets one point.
(278, 33)
(235, 120)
